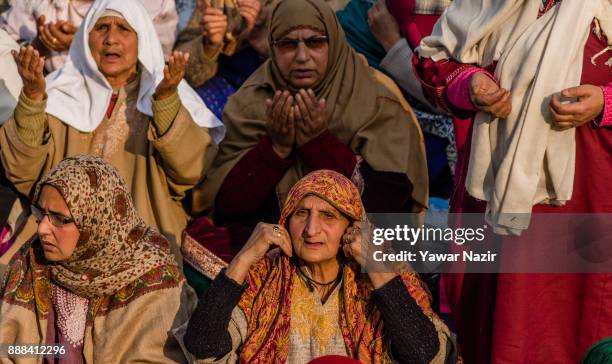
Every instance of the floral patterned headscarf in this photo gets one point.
(115, 246)
(331, 186)
(266, 302)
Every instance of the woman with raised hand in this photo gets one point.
(50, 25)
(96, 281)
(308, 297)
(114, 98)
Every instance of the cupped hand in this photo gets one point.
(280, 122)
(173, 74)
(487, 96)
(310, 116)
(30, 66)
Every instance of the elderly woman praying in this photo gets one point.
(114, 98)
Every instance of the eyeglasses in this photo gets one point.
(288, 44)
(56, 219)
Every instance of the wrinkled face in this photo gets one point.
(58, 242)
(316, 229)
(114, 47)
(302, 57)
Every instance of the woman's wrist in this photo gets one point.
(238, 268)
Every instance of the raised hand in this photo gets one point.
(55, 36)
(261, 240)
(213, 26)
(173, 74)
(249, 10)
(362, 250)
(310, 116)
(280, 123)
(589, 104)
(383, 25)
(487, 96)
(30, 66)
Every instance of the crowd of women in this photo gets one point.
(188, 181)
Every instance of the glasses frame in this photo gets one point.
(292, 44)
(56, 219)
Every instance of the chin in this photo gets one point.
(304, 83)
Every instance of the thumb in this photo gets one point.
(41, 20)
(68, 27)
(574, 92)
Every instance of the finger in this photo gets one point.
(55, 31)
(269, 109)
(489, 99)
(48, 37)
(322, 109)
(34, 61)
(288, 125)
(278, 106)
(27, 57)
(209, 11)
(572, 108)
(311, 100)
(69, 28)
(347, 250)
(561, 118)
(287, 109)
(166, 75)
(301, 103)
(216, 23)
(41, 67)
(172, 64)
(578, 91)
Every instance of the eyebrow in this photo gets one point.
(55, 212)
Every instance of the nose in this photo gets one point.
(44, 226)
(111, 36)
(302, 54)
(313, 227)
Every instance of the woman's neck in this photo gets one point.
(117, 83)
(323, 272)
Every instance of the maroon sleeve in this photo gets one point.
(435, 77)
(327, 152)
(251, 180)
(385, 192)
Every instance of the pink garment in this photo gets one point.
(606, 116)
(458, 93)
(5, 244)
(19, 21)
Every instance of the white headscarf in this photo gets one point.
(79, 94)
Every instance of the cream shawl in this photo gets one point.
(520, 161)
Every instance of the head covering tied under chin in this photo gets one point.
(78, 93)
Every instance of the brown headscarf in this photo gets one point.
(267, 301)
(121, 265)
(364, 114)
(115, 246)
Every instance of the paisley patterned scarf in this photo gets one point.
(267, 302)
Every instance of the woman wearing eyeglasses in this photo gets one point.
(315, 104)
(96, 281)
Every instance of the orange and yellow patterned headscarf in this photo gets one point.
(331, 186)
(266, 302)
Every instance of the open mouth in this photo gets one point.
(111, 56)
(313, 244)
